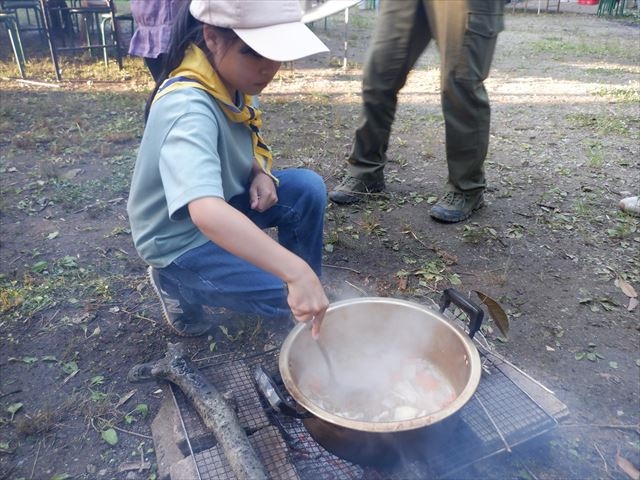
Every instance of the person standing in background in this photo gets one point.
(465, 32)
(150, 39)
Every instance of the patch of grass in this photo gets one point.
(40, 422)
(595, 155)
(625, 95)
(588, 217)
(624, 227)
(50, 283)
(74, 196)
(583, 207)
(564, 170)
(342, 235)
(361, 21)
(74, 133)
(412, 198)
(559, 47)
(79, 67)
(371, 225)
(629, 17)
(22, 300)
(602, 124)
(613, 71)
(432, 274)
(558, 220)
(474, 233)
(553, 194)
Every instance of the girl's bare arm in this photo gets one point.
(233, 231)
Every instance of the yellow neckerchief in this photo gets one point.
(195, 71)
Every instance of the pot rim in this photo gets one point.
(473, 360)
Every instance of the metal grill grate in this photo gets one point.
(499, 416)
(210, 463)
(310, 459)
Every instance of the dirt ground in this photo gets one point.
(551, 246)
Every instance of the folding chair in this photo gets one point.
(28, 7)
(611, 7)
(81, 28)
(114, 22)
(9, 20)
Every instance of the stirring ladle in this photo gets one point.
(327, 360)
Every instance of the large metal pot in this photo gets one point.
(360, 338)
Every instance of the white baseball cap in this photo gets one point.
(273, 28)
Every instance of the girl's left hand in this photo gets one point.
(262, 192)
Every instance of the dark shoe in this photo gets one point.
(352, 189)
(186, 320)
(457, 206)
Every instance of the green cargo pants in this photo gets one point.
(465, 32)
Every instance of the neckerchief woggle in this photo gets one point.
(195, 71)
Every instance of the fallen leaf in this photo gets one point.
(61, 476)
(626, 287)
(633, 303)
(125, 398)
(110, 436)
(402, 283)
(627, 467)
(13, 408)
(496, 312)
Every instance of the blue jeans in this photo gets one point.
(209, 275)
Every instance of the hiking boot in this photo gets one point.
(185, 320)
(457, 206)
(352, 189)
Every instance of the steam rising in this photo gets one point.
(386, 363)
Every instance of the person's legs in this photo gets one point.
(401, 35)
(466, 46)
(209, 275)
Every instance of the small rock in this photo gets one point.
(630, 205)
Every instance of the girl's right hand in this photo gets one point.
(308, 301)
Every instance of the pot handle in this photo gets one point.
(270, 390)
(473, 311)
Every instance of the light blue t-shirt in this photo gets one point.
(189, 150)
